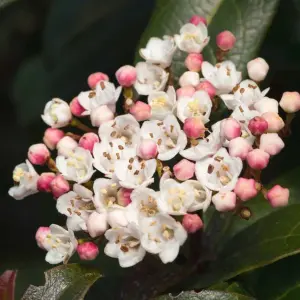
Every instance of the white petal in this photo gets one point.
(169, 253)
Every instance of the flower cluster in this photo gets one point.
(143, 178)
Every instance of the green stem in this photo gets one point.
(52, 165)
(76, 123)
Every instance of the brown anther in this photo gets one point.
(210, 169)
(218, 174)
(131, 160)
(218, 158)
(111, 144)
(129, 167)
(143, 165)
(225, 168)
(124, 248)
(242, 90)
(126, 127)
(241, 110)
(78, 213)
(171, 128)
(136, 172)
(118, 155)
(121, 147)
(159, 141)
(114, 124)
(113, 134)
(102, 85)
(92, 94)
(160, 123)
(70, 211)
(72, 203)
(151, 135)
(194, 142)
(104, 154)
(108, 156)
(236, 88)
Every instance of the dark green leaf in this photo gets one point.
(206, 295)
(280, 280)
(249, 20)
(7, 285)
(4, 3)
(64, 282)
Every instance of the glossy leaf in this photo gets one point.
(280, 280)
(249, 20)
(7, 285)
(206, 295)
(64, 282)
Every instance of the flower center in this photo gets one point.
(18, 174)
(167, 232)
(129, 243)
(159, 102)
(195, 108)
(177, 198)
(150, 208)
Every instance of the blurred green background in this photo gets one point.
(47, 49)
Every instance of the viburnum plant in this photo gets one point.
(143, 178)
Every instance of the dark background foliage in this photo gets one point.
(48, 48)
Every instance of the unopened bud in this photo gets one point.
(87, 251)
(225, 40)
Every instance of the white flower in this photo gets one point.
(105, 191)
(243, 114)
(124, 243)
(189, 78)
(220, 171)
(57, 113)
(223, 76)
(199, 105)
(247, 93)
(26, 179)
(106, 154)
(159, 51)
(202, 196)
(123, 127)
(60, 244)
(162, 235)
(175, 198)
(150, 78)
(162, 104)
(135, 172)
(266, 104)
(105, 94)
(77, 205)
(192, 38)
(205, 147)
(167, 134)
(77, 167)
(144, 200)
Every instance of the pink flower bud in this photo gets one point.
(224, 201)
(258, 125)
(275, 123)
(186, 91)
(246, 189)
(41, 235)
(88, 140)
(290, 102)
(52, 136)
(230, 128)
(87, 251)
(189, 78)
(126, 76)
(194, 127)
(239, 147)
(258, 159)
(123, 196)
(66, 145)
(76, 108)
(197, 19)
(184, 170)
(278, 196)
(271, 143)
(225, 40)
(192, 223)
(59, 186)
(257, 69)
(96, 224)
(194, 61)
(147, 149)
(44, 182)
(94, 78)
(100, 115)
(38, 154)
(207, 87)
(141, 111)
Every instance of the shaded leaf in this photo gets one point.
(206, 295)
(7, 285)
(4, 3)
(249, 20)
(64, 282)
(280, 280)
